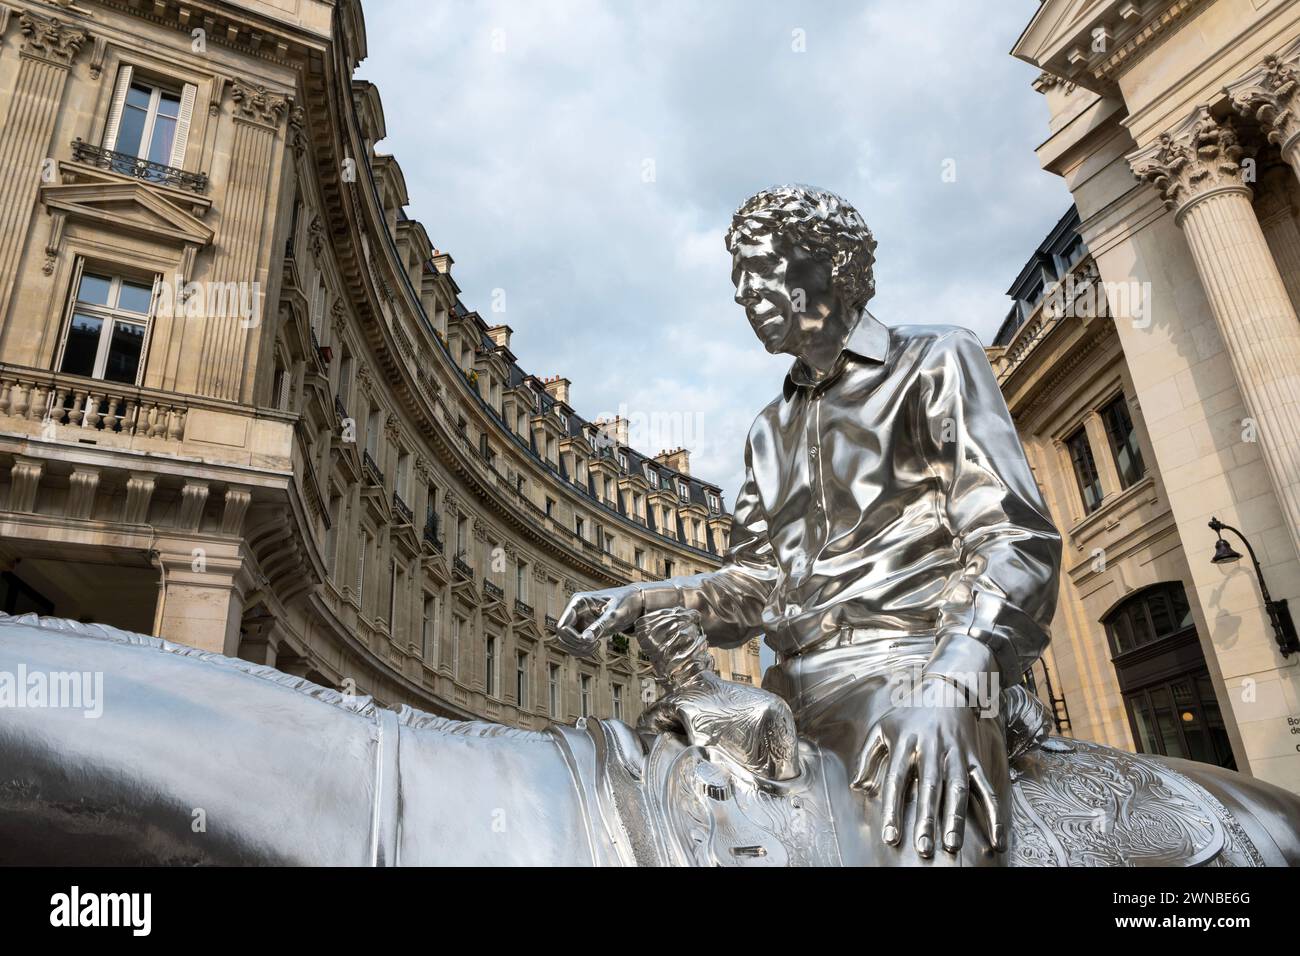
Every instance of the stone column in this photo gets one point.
(1196, 168)
(201, 591)
(1271, 94)
(49, 48)
(257, 116)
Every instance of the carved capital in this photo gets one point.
(1271, 94)
(257, 104)
(50, 39)
(1197, 157)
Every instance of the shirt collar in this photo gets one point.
(869, 340)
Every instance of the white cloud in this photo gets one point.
(526, 164)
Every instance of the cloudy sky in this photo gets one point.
(580, 160)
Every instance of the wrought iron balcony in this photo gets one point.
(372, 470)
(129, 165)
(340, 408)
(458, 563)
(551, 622)
(493, 590)
(523, 608)
(402, 509)
(431, 533)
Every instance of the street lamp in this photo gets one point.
(1283, 627)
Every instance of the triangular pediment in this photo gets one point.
(1088, 41)
(134, 207)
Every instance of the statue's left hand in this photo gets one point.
(951, 751)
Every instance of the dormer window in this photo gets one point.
(683, 491)
(622, 461)
(652, 476)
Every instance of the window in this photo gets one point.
(640, 559)
(652, 476)
(1123, 442)
(372, 434)
(521, 680)
(668, 568)
(550, 506)
(106, 335)
(394, 595)
(715, 503)
(622, 461)
(429, 629)
(490, 667)
(579, 527)
(521, 581)
(618, 701)
(683, 491)
(462, 533)
(345, 380)
(403, 474)
(148, 121)
(361, 567)
(332, 534)
(586, 695)
(1172, 706)
(457, 625)
(1148, 616)
(1085, 470)
(553, 689)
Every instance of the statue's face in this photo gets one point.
(787, 293)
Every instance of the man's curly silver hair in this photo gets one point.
(820, 222)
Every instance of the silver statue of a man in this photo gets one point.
(889, 542)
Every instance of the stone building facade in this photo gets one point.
(242, 404)
(1175, 125)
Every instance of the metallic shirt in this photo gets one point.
(892, 496)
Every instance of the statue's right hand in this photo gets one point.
(594, 615)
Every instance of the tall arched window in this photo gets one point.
(1170, 699)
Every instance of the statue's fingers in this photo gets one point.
(607, 624)
(902, 761)
(955, 795)
(929, 779)
(869, 761)
(576, 616)
(988, 798)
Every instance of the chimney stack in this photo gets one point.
(500, 336)
(678, 459)
(557, 387)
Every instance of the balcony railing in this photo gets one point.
(372, 470)
(431, 533)
(493, 590)
(551, 622)
(458, 563)
(524, 608)
(129, 165)
(340, 408)
(403, 510)
(81, 402)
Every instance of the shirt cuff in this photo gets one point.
(962, 660)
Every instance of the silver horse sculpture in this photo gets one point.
(187, 757)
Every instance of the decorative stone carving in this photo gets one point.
(1271, 94)
(1192, 160)
(316, 232)
(297, 130)
(50, 39)
(82, 485)
(194, 497)
(139, 493)
(24, 482)
(232, 518)
(257, 104)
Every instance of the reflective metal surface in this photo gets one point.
(890, 544)
(201, 759)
